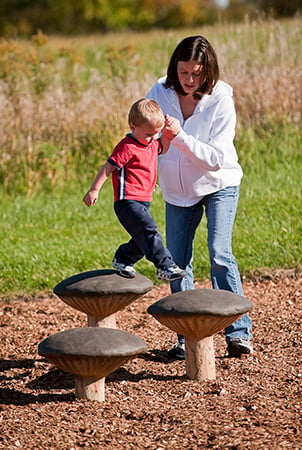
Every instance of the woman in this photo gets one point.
(200, 172)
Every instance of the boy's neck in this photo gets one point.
(134, 138)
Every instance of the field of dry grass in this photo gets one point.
(63, 97)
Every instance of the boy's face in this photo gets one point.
(144, 134)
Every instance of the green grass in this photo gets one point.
(49, 236)
(66, 105)
(268, 231)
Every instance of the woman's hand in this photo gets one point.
(172, 127)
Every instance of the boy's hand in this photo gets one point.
(172, 127)
(91, 197)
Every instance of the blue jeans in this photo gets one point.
(145, 238)
(181, 225)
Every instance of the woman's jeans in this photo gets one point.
(145, 238)
(181, 225)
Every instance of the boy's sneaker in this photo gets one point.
(177, 351)
(170, 273)
(239, 346)
(125, 271)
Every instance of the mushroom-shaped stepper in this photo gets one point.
(91, 354)
(101, 293)
(198, 314)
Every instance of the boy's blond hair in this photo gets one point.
(146, 112)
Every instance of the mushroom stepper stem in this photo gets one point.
(89, 388)
(200, 359)
(102, 322)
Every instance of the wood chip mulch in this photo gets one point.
(254, 403)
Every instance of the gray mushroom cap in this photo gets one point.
(91, 352)
(200, 312)
(201, 301)
(101, 293)
(103, 282)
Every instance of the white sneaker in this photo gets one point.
(170, 273)
(125, 271)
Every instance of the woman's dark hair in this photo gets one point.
(194, 48)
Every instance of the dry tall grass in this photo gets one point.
(59, 117)
(263, 62)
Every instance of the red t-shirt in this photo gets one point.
(136, 166)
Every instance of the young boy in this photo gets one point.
(133, 165)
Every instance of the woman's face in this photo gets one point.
(189, 75)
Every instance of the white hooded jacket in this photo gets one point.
(202, 158)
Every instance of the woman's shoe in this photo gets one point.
(177, 351)
(239, 346)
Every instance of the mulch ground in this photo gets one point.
(254, 403)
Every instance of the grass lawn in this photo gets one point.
(49, 236)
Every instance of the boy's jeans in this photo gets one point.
(145, 238)
(181, 224)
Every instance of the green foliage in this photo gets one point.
(268, 230)
(65, 106)
(73, 16)
(25, 17)
(66, 102)
(279, 8)
(49, 236)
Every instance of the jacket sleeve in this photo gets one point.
(219, 148)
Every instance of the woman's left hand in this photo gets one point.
(172, 127)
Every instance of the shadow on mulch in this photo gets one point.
(17, 398)
(7, 364)
(124, 375)
(160, 356)
(54, 380)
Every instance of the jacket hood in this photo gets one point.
(221, 89)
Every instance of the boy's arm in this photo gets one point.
(165, 143)
(170, 130)
(91, 197)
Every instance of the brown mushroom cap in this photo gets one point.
(200, 313)
(91, 352)
(101, 293)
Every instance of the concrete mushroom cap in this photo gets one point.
(200, 313)
(103, 282)
(101, 293)
(91, 352)
(215, 302)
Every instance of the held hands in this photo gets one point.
(172, 127)
(91, 197)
